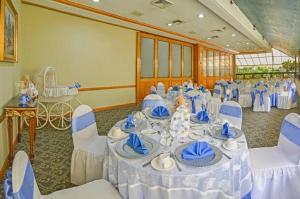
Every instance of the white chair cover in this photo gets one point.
(153, 90)
(213, 106)
(21, 184)
(232, 112)
(161, 89)
(262, 102)
(89, 147)
(151, 101)
(288, 99)
(228, 94)
(217, 91)
(245, 99)
(276, 170)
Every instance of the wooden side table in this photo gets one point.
(14, 109)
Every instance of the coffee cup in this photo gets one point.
(164, 160)
(117, 132)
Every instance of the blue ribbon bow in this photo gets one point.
(261, 96)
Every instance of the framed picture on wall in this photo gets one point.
(8, 31)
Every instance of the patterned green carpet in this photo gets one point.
(53, 148)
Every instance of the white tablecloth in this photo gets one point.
(226, 179)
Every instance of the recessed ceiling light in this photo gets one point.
(233, 35)
(227, 45)
(169, 24)
(247, 43)
(200, 15)
(208, 38)
(96, 1)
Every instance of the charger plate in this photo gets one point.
(127, 152)
(217, 133)
(203, 162)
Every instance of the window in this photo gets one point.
(176, 60)
(147, 57)
(163, 59)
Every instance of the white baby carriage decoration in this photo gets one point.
(54, 100)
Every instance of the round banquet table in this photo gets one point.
(228, 178)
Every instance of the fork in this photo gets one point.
(177, 165)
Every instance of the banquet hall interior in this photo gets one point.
(145, 99)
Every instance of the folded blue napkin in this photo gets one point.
(226, 131)
(175, 88)
(137, 144)
(197, 150)
(203, 115)
(160, 111)
(129, 122)
(189, 89)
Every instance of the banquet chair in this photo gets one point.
(151, 101)
(232, 112)
(89, 147)
(227, 95)
(213, 106)
(288, 99)
(161, 89)
(262, 102)
(276, 170)
(153, 90)
(217, 91)
(21, 184)
(245, 99)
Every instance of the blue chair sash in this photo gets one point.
(83, 121)
(193, 100)
(231, 111)
(27, 187)
(217, 91)
(235, 93)
(261, 96)
(294, 94)
(274, 99)
(291, 132)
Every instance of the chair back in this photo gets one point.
(217, 91)
(153, 90)
(232, 112)
(83, 125)
(20, 182)
(151, 101)
(289, 139)
(160, 89)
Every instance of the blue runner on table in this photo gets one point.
(137, 144)
(197, 150)
(129, 122)
(160, 111)
(226, 131)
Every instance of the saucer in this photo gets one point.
(148, 131)
(155, 165)
(238, 146)
(196, 136)
(122, 135)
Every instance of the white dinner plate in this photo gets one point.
(238, 146)
(121, 136)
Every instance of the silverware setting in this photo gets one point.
(149, 162)
(227, 156)
(177, 165)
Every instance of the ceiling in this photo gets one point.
(186, 11)
(277, 20)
